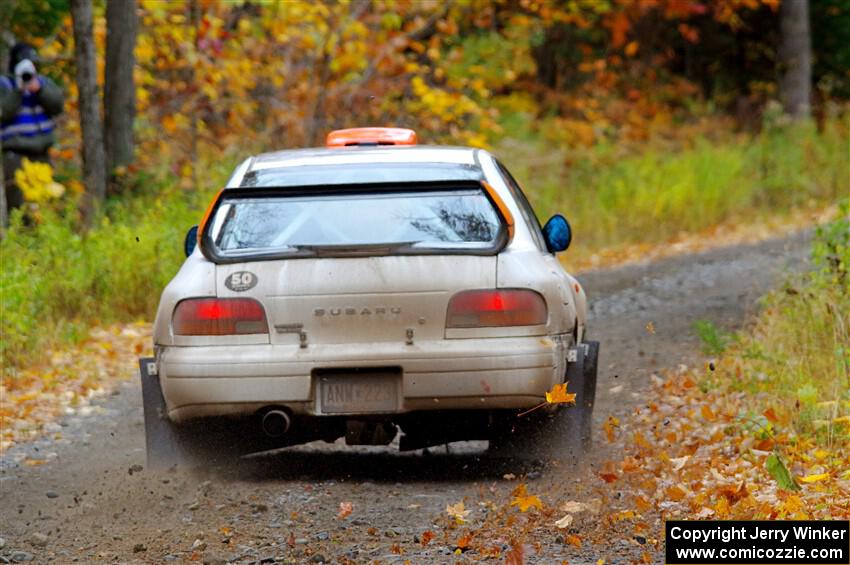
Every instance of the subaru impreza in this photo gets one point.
(375, 290)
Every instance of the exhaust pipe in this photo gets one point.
(275, 423)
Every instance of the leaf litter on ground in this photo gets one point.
(68, 380)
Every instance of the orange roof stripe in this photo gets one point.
(207, 215)
(503, 208)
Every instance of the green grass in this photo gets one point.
(795, 358)
(714, 340)
(55, 283)
(612, 196)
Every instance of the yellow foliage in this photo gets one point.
(35, 181)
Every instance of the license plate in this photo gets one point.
(357, 393)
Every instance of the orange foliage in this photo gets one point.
(233, 78)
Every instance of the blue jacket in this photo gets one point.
(26, 123)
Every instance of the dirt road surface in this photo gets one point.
(92, 501)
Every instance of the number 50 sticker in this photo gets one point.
(240, 281)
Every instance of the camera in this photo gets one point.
(26, 77)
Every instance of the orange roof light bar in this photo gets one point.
(370, 136)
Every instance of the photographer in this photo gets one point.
(28, 101)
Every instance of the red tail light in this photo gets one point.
(219, 316)
(493, 308)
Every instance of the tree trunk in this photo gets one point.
(795, 58)
(94, 159)
(119, 88)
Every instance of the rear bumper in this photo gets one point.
(487, 373)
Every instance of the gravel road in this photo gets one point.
(92, 501)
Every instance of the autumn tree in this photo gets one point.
(94, 162)
(795, 57)
(119, 87)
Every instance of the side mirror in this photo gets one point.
(557, 233)
(191, 240)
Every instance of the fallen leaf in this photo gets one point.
(650, 328)
(679, 462)
(427, 536)
(573, 507)
(559, 395)
(464, 542)
(721, 507)
(525, 501)
(575, 541)
(734, 494)
(564, 522)
(630, 465)
(608, 472)
(675, 493)
(641, 442)
(609, 426)
(345, 509)
(623, 515)
(780, 473)
(34, 462)
(814, 478)
(457, 511)
(642, 504)
(516, 556)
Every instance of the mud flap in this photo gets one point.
(581, 379)
(162, 441)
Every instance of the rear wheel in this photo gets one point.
(208, 442)
(563, 434)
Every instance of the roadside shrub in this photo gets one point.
(795, 360)
(56, 282)
(613, 196)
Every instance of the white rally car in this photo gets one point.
(364, 290)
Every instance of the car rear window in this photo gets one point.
(403, 222)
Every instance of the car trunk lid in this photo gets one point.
(357, 299)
